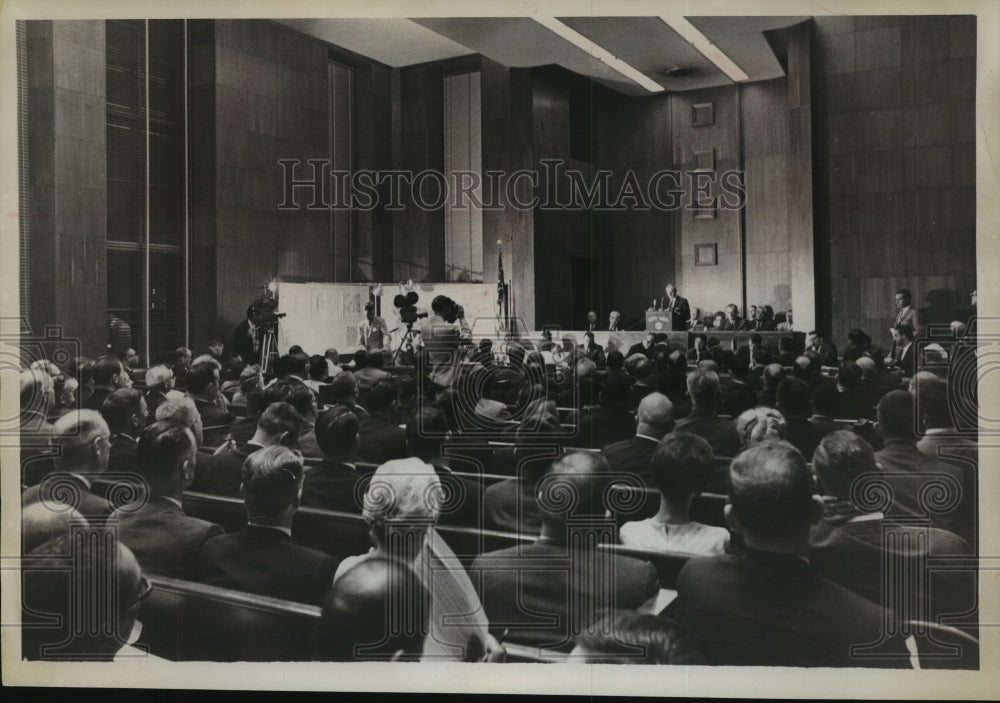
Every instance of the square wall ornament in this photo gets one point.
(706, 254)
(703, 114)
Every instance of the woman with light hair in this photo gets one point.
(401, 507)
(760, 424)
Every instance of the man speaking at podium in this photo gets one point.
(677, 306)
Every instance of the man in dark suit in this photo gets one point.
(903, 357)
(82, 442)
(677, 306)
(817, 342)
(906, 314)
(203, 389)
(643, 375)
(163, 538)
(263, 559)
(547, 592)
(610, 421)
(854, 546)
(381, 438)
(793, 403)
(645, 347)
(772, 375)
(852, 401)
(244, 341)
(911, 474)
(768, 606)
(786, 351)
(654, 419)
(125, 412)
(109, 375)
(333, 485)
(720, 433)
(221, 473)
(737, 395)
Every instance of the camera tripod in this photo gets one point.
(407, 338)
(268, 348)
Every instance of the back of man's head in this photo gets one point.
(639, 367)
(272, 477)
(360, 359)
(771, 492)
(739, 366)
(106, 368)
(682, 465)
(425, 432)
(158, 377)
(337, 433)
(573, 488)
(895, 415)
(868, 366)
(905, 331)
(615, 389)
(44, 520)
(761, 356)
(78, 436)
(182, 411)
(201, 376)
(655, 415)
(802, 367)
(87, 624)
(302, 399)
(793, 398)
(381, 396)
(840, 458)
(787, 345)
(122, 408)
(165, 457)
(280, 423)
(825, 400)
(703, 387)
(849, 375)
(616, 360)
(773, 375)
(930, 394)
(376, 611)
(344, 388)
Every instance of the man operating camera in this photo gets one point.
(442, 335)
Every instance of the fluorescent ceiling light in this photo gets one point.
(599, 53)
(700, 42)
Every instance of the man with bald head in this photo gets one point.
(642, 372)
(911, 473)
(376, 611)
(720, 433)
(83, 443)
(654, 419)
(547, 592)
(766, 605)
(772, 375)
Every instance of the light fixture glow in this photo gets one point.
(700, 42)
(599, 53)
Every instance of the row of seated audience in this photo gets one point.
(791, 578)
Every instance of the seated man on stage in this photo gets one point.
(373, 333)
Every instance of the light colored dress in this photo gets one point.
(689, 538)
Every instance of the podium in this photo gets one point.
(659, 321)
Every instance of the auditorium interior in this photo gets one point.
(644, 340)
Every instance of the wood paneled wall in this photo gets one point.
(894, 114)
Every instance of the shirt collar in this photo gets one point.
(127, 436)
(83, 479)
(646, 436)
(173, 500)
(285, 530)
(939, 430)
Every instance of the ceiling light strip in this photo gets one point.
(599, 53)
(700, 42)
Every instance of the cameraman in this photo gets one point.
(373, 333)
(442, 335)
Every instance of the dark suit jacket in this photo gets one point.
(221, 474)
(58, 486)
(154, 399)
(736, 397)
(122, 457)
(243, 343)
(802, 435)
(331, 486)
(680, 312)
(601, 426)
(827, 353)
(762, 609)
(855, 554)
(639, 348)
(907, 362)
(853, 403)
(632, 456)
(527, 590)
(211, 414)
(913, 471)
(381, 440)
(265, 561)
(96, 399)
(164, 540)
(637, 393)
(717, 431)
(767, 398)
